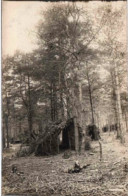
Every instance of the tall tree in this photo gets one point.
(113, 48)
(62, 35)
(23, 88)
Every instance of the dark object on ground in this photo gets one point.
(126, 167)
(105, 128)
(87, 143)
(14, 168)
(93, 132)
(77, 168)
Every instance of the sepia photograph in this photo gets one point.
(64, 98)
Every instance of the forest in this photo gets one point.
(69, 93)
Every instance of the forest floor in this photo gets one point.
(48, 176)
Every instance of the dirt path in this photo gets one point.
(48, 176)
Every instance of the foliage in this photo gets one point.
(63, 78)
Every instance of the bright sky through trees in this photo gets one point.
(20, 19)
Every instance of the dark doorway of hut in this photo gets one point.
(68, 136)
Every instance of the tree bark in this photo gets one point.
(121, 134)
(7, 132)
(30, 112)
(76, 135)
(114, 103)
(126, 121)
(81, 130)
(52, 117)
(90, 97)
(3, 138)
(75, 118)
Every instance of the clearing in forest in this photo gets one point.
(45, 176)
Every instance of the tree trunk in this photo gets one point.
(75, 118)
(61, 97)
(54, 111)
(7, 133)
(30, 123)
(3, 138)
(81, 116)
(52, 115)
(62, 105)
(76, 136)
(121, 134)
(90, 97)
(126, 121)
(114, 103)
(117, 121)
(30, 112)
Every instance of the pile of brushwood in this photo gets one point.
(47, 142)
